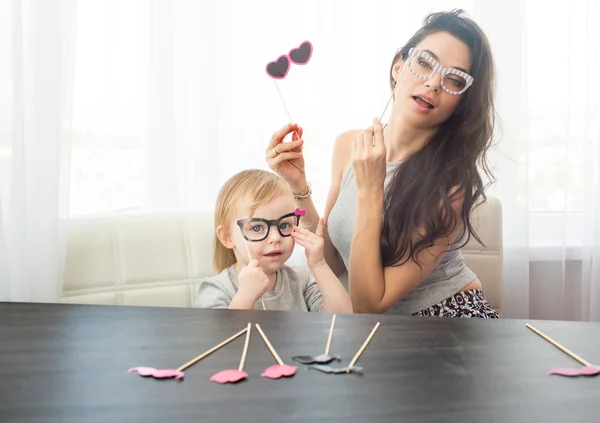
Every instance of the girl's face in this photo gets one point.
(266, 234)
(424, 103)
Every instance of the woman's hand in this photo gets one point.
(368, 155)
(285, 158)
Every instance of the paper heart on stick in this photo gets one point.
(278, 69)
(302, 54)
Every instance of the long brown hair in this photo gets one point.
(255, 186)
(419, 196)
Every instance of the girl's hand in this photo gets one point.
(368, 155)
(253, 282)
(313, 244)
(286, 159)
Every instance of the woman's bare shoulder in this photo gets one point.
(342, 149)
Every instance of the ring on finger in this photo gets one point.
(275, 153)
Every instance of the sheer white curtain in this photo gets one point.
(37, 39)
(171, 98)
(548, 158)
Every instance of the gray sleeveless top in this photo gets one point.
(447, 278)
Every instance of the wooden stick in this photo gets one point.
(364, 346)
(559, 346)
(264, 337)
(327, 348)
(285, 107)
(212, 350)
(248, 251)
(262, 302)
(245, 351)
(392, 96)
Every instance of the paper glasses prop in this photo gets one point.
(588, 369)
(234, 375)
(297, 212)
(351, 367)
(280, 369)
(321, 358)
(178, 373)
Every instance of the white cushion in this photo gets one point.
(486, 261)
(144, 259)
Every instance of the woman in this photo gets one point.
(419, 172)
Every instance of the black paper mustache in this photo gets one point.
(278, 69)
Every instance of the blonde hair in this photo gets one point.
(256, 186)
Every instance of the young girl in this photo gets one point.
(256, 223)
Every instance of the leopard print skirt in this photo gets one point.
(466, 304)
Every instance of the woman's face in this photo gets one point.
(423, 103)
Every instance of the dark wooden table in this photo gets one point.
(68, 363)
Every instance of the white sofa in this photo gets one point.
(158, 259)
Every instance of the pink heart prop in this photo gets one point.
(575, 371)
(300, 212)
(302, 54)
(278, 69)
(276, 371)
(229, 376)
(156, 373)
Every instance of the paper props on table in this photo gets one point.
(351, 368)
(336, 370)
(587, 369)
(321, 358)
(157, 373)
(280, 369)
(234, 375)
(178, 373)
(574, 371)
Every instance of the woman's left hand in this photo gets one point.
(368, 158)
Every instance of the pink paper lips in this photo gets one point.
(157, 373)
(575, 371)
(279, 370)
(229, 376)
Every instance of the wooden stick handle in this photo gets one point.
(212, 350)
(328, 346)
(248, 251)
(362, 349)
(392, 96)
(264, 337)
(285, 107)
(262, 302)
(559, 346)
(245, 351)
